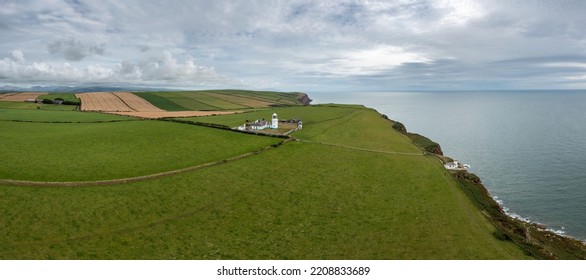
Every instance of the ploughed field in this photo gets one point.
(114, 102)
(19, 96)
(193, 103)
(351, 187)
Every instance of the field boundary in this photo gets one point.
(104, 121)
(21, 183)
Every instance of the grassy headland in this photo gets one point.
(350, 188)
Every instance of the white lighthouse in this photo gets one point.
(275, 123)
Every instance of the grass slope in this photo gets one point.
(158, 100)
(35, 106)
(302, 200)
(64, 96)
(210, 100)
(100, 151)
(48, 115)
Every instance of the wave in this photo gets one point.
(561, 231)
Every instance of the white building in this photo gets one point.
(452, 165)
(260, 125)
(456, 166)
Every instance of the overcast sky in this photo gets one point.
(295, 45)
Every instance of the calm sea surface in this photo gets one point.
(529, 147)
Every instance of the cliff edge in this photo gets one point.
(534, 239)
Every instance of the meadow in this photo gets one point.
(351, 187)
(212, 100)
(100, 151)
(35, 106)
(65, 96)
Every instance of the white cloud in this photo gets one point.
(565, 64)
(284, 43)
(164, 69)
(18, 56)
(375, 60)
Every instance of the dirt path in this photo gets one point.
(365, 150)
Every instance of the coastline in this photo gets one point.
(536, 240)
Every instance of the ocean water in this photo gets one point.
(528, 147)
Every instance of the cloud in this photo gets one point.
(18, 56)
(164, 69)
(359, 43)
(75, 50)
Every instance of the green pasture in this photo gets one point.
(345, 125)
(99, 151)
(35, 106)
(210, 100)
(64, 96)
(298, 201)
(342, 192)
(269, 96)
(157, 99)
(49, 115)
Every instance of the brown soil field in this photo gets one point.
(115, 102)
(129, 104)
(175, 114)
(20, 96)
(135, 102)
(102, 102)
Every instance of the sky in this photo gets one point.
(295, 45)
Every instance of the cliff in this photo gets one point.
(423, 142)
(534, 239)
(304, 99)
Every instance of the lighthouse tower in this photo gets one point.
(275, 123)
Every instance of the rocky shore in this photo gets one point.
(535, 239)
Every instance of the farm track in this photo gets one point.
(363, 149)
(133, 179)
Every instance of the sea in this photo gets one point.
(528, 147)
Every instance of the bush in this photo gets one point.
(400, 127)
(47, 101)
(500, 235)
(66, 102)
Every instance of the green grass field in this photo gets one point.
(35, 106)
(64, 96)
(343, 192)
(48, 115)
(101, 151)
(214, 100)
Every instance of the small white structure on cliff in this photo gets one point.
(456, 166)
